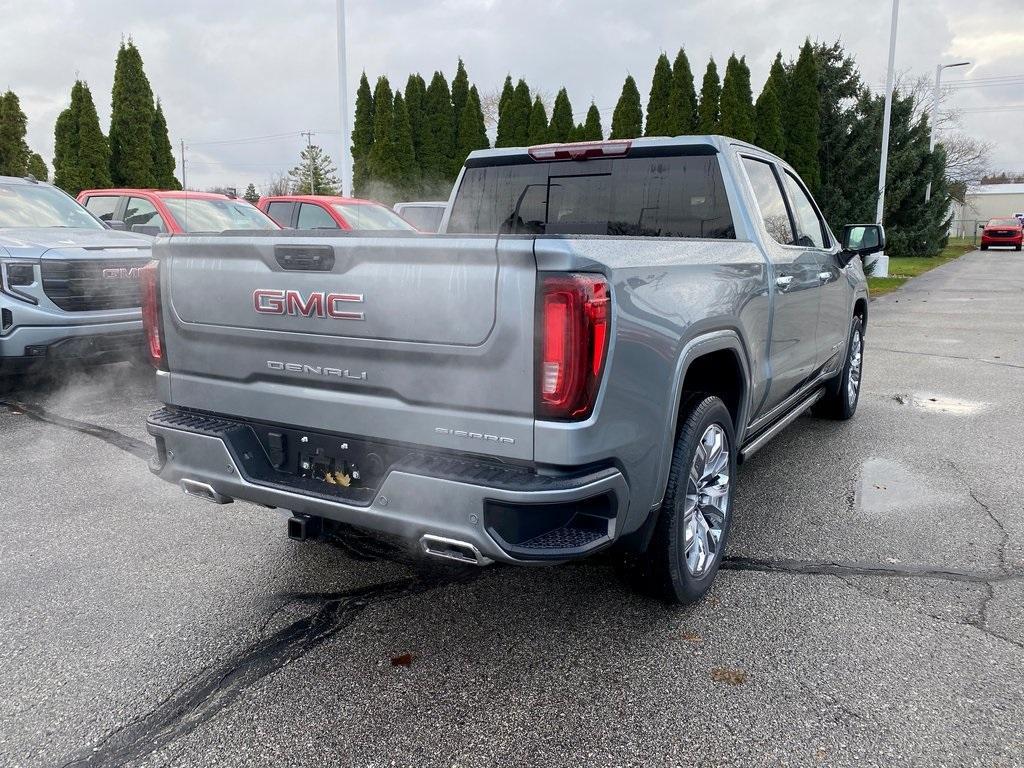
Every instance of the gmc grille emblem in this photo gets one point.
(121, 273)
(271, 301)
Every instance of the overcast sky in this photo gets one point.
(233, 70)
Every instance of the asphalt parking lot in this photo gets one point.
(870, 613)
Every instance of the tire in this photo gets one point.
(843, 394)
(1016, 247)
(670, 569)
(984, 247)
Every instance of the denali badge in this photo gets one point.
(271, 301)
(121, 273)
(316, 370)
(475, 435)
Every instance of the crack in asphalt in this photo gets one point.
(1000, 363)
(840, 568)
(202, 697)
(111, 436)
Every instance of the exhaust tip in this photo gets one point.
(204, 491)
(452, 549)
(303, 527)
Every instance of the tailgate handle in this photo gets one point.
(305, 258)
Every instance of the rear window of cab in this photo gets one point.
(674, 196)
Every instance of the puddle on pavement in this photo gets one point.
(887, 486)
(939, 404)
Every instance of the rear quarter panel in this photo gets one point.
(669, 297)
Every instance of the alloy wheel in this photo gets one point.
(707, 501)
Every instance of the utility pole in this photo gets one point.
(934, 117)
(183, 184)
(887, 114)
(345, 156)
(309, 158)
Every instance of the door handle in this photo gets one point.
(784, 281)
(824, 275)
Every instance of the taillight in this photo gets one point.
(572, 341)
(152, 322)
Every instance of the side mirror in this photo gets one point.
(861, 240)
(146, 229)
(118, 225)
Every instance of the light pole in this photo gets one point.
(345, 157)
(887, 114)
(933, 118)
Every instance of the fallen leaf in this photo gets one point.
(690, 637)
(402, 660)
(728, 675)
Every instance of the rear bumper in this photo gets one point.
(508, 514)
(25, 346)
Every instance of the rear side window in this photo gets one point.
(142, 212)
(810, 228)
(102, 206)
(644, 197)
(314, 217)
(769, 200)
(281, 213)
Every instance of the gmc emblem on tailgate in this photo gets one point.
(121, 273)
(271, 301)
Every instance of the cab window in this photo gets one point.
(141, 212)
(312, 216)
(810, 229)
(102, 206)
(769, 200)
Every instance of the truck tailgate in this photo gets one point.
(425, 340)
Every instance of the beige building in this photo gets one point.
(984, 202)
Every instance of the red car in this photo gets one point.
(1006, 232)
(330, 212)
(152, 211)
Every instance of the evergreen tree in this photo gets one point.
(682, 100)
(131, 121)
(537, 131)
(163, 153)
(460, 93)
(708, 117)
(736, 109)
(415, 98)
(839, 85)
(472, 131)
(520, 106)
(768, 121)
(407, 173)
(81, 155)
(37, 167)
(362, 136)
(315, 174)
(382, 165)
(561, 127)
(801, 121)
(14, 153)
(779, 80)
(591, 129)
(504, 137)
(659, 120)
(439, 149)
(628, 117)
(251, 195)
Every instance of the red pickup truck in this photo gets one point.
(152, 211)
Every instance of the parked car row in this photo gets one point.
(69, 270)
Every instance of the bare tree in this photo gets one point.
(489, 101)
(967, 158)
(279, 184)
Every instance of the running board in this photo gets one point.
(761, 440)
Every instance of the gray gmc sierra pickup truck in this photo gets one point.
(69, 285)
(600, 334)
